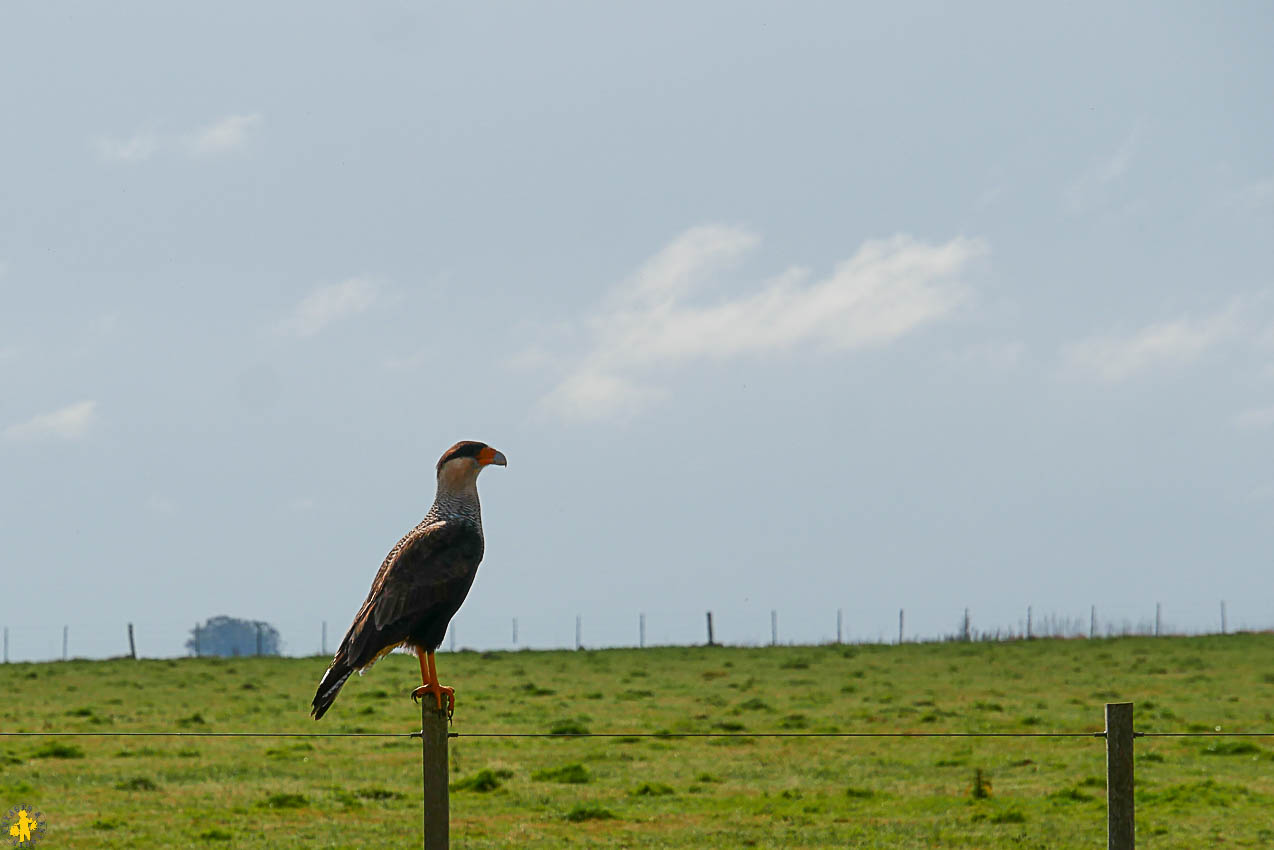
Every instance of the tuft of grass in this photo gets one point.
(1011, 816)
(584, 811)
(574, 774)
(1071, 795)
(632, 694)
(568, 726)
(137, 783)
(854, 793)
(1232, 748)
(794, 721)
(483, 781)
(106, 824)
(754, 704)
(285, 801)
(377, 794)
(215, 834)
(57, 750)
(652, 789)
(195, 719)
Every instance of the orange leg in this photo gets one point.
(429, 677)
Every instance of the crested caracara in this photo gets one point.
(421, 583)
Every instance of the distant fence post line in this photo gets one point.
(899, 626)
(132, 645)
(65, 629)
(579, 643)
(641, 630)
(838, 625)
(1120, 808)
(711, 641)
(1092, 623)
(774, 627)
(1029, 630)
(436, 815)
(1222, 616)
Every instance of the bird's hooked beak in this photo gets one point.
(491, 457)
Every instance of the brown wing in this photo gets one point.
(426, 576)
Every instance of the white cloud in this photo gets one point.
(1089, 188)
(1254, 418)
(886, 290)
(223, 136)
(136, 148)
(1253, 196)
(68, 423)
(1115, 357)
(328, 304)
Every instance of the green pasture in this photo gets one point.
(665, 791)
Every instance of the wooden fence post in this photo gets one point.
(774, 627)
(711, 642)
(132, 646)
(641, 630)
(838, 625)
(437, 806)
(64, 631)
(1120, 811)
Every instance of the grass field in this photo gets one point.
(656, 792)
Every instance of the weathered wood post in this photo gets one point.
(900, 627)
(774, 627)
(579, 644)
(437, 806)
(711, 641)
(132, 646)
(1120, 811)
(838, 625)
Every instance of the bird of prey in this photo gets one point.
(421, 583)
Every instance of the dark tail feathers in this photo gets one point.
(329, 688)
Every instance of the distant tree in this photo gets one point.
(228, 636)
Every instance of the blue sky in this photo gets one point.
(800, 307)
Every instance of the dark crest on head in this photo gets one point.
(464, 448)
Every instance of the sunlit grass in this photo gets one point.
(666, 791)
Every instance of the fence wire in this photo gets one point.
(662, 735)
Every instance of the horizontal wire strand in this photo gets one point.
(663, 735)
